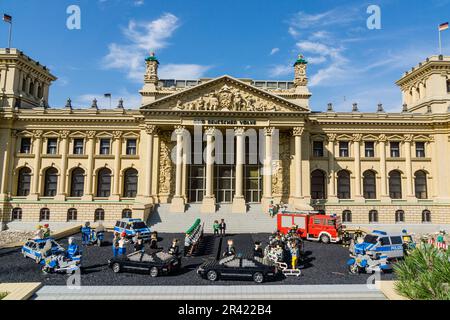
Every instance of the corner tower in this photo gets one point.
(426, 88)
(24, 82)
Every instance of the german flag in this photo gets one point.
(7, 18)
(443, 26)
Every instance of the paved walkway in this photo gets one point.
(251, 292)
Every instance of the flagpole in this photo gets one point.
(440, 43)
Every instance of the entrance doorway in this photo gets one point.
(197, 181)
(253, 183)
(224, 183)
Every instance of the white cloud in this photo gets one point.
(274, 50)
(281, 70)
(182, 71)
(141, 37)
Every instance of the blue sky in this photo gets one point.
(257, 39)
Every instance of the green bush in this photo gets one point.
(3, 294)
(424, 274)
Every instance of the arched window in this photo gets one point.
(346, 216)
(104, 183)
(420, 185)
(373, 216)
(44, 214)
(50, 182)
(16, 214)
(24, 182)
(99, 215)
(343, 184)
(40, 92)
(399, 216)
(71, 215)
(126, 214)
(426, 216)
(130, 183)
(395, 185)
(77, 183)
(318, 190)
(369, 185)
(31, 90)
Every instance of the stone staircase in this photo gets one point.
(254, 221)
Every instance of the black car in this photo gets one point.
(155, 263)
(237, 267)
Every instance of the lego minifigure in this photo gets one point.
(46, 231)
(122, 244)
(138, 242)
(231, 251)
(153, 241)
(216, 227)
(295, 253)
(115, 244)
(258, 251)
(39, 233)
(73, 249)
(86, 233)
(222, 227)
(174, 249)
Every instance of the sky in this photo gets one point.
(258, 39)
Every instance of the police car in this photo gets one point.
(34, 248)
(391, 245)
(131, 227)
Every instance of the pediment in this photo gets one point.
(224, 94)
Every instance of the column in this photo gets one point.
(299, 200)
(331, 169)
(209, 201)
(63, 150)
(357, 151)
(37, 150)
(12, 155)
(7, 167)
(178, 204)
(408, 164)
(150, 130)
(382, 150)
(89, 183)
(267, 170)
(117, 135)
(239, 199)
(307, 168)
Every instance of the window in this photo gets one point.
(126, 214)
(369, 185)
(71, 215)
(104, 146)
(16, 214)
(448, 86)
(318, 149)
(131, 147)
(99, 215)
(25, 145)
(50, 182)
(395, 185)
(395, 149)
(420, 185)
(399, 216)
(24, 182)
(396, 240)
(318, 185)
(373, 216)
(385, 241)
(78, 146)
(343, 149)
(426, 216)
(343, 184)
(420, 149)
(52, 145)
(346, 216)
(130, 183)
(104, 183)
(369, 149)
(44, 214)
(31, 88)
(77, 183)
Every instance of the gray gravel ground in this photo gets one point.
(325, 264)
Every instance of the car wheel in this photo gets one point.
(212, 275)
(353, 269)
(258, 277)
(324, 238)
(154, 272)
(116, 267)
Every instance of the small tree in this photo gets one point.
(424, 274)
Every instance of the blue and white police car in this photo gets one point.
(132, 226)
(38, 249)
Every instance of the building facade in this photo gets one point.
(67, 164)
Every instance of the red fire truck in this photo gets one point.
(311, 225)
